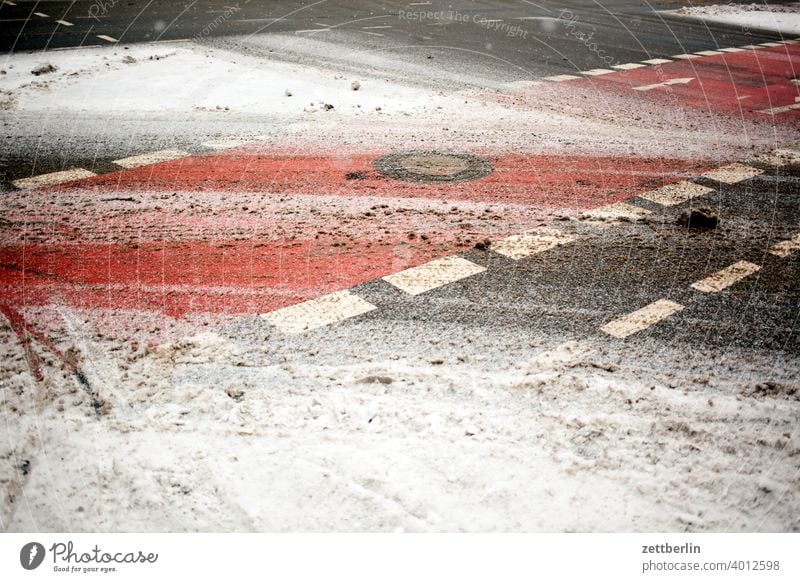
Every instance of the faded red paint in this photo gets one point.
(553, 181)
(201, 268)
(736, 84)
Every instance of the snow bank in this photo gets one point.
(781, 18)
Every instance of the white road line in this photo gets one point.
(53, 178)
(780, 158)
(371, 33)
(708, 53)
(685, 56)
(151, 158)
(382, 26)
(791, 42)
(771, 44)
(657, 61)
(312, 30)
(628, 66)
(596, 72)
(752, 47)
(433, 274)
(782, 109)
(733, 173)
(786, 247)
(325, 310)
(673, 194)
(726, 277)
(733, 49)
(560, 78)
(106, 38)
(519, 246)
(64, 23)
(641, 319)
(234, 141)
(617, 210)
(681, 81)
(9, 2)
(41, 15)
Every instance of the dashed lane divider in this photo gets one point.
(337, 307)
(657, 62)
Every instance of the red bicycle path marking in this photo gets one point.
(223, 275)
(734, 84)
(553, 181)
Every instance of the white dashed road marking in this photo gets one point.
(628, 66)
(657, 61)
(686, 56)
(618, 210)
(64, 23)
(42, 15)
(433, 274)
(106, 38)
(642, 319)
(786, 247)
(234, 141)
(151, 158)
(53, 178)
(733, 173)
(319, 312)
(560, 78)
(726, 277)
(681, 81)
(708, 53)
(673, 194)
(596, 72)
(782, 109)
(520, 246)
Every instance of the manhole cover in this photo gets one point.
(433, 167)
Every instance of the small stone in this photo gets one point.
(44, 69)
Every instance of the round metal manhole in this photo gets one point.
(433, 167)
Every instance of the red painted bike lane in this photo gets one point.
(251, 230)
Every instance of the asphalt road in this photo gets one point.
(534, 36)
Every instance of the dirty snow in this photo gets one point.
(215, 432)
(780, 18)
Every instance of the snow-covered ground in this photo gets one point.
(98, 100)
(780, 18)
(221, 432)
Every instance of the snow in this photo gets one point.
(167, 87)
(780, 18)
(216, 432)
(184, 77)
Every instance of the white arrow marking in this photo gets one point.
(664, 84)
